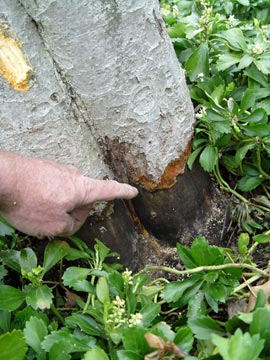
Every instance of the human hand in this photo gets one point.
(44, 198)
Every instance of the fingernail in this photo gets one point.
(135, 191)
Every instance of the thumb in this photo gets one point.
(105, 190)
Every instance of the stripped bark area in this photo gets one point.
(133, 168)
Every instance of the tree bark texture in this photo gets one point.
(108, 96)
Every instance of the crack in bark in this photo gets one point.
(159, 24)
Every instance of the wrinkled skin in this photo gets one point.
(44, 198)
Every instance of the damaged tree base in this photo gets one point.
(146, 230)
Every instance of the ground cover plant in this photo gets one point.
(224, 49)
(75, 302)
(97, 310)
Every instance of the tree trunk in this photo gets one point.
(108, 96)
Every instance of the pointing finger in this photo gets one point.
(105, 190)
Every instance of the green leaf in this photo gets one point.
(198, 62)
(242, 151)
(73, 274)
(260, 323)
(133, 339)
(263, 200)
(39, 297)
(81, 245)
(198, 142)
(163, 330)
(223, 127)
(86, 324)
(243, 2)
(98, 273)
(193, 156)
(102, 290)
(149, 291)
(131, 300)
(85, 286)
(218, 94)
(229, 162)
(204, 327)
(214, 115)
(261, 301)
(242, 243)
(185, 256)
(260, 130)
(59, 351)
(208, 158)
(263, 63)
(225, 61)
(128, 355)
(219, 291)
(149, 313)
(12, 346)
(102, 250)
(184, 338)
(209, 298)
(177, 30)
(11, 259)
(245, 61)
(174, 290)
(239, 346)
(116, 335)
(248, 99)
(249, 183)
(234, 38)
(5, 320)
(54, 252)
(255, 74)
(267, 148)
(75, 254)
(250, 96)
(250, 170)
(257, 116)
(205, 254)
(21, 316)
(262, 238)
(10, 298)
(63, 336)
(27, 259)
(95, 353)
(219, 122)
(191, 291)
(116, 282)
(34, 332)
(5, 228)
(196, 306)
(3, 272)
(263, 104)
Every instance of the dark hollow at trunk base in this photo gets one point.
(146, 230)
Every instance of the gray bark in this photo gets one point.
(104, 73)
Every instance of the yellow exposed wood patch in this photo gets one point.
(13, 65)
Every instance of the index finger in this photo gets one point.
(106, 190)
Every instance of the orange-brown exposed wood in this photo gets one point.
(168, 178)
(13, 65)
(133, 168)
